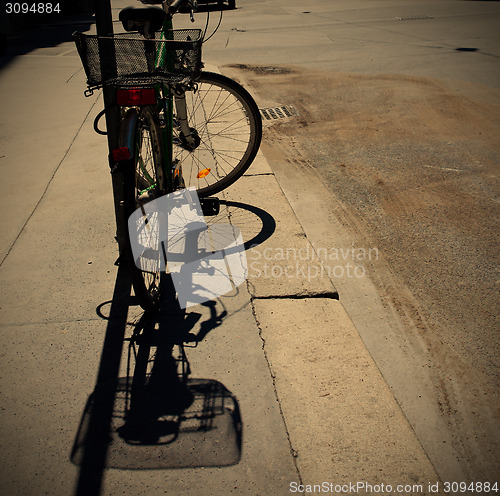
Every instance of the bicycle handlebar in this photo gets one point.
(176, 5)
(172, 7)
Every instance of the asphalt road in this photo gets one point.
(397, 135)
(449, 39)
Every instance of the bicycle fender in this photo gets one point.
(127, 131)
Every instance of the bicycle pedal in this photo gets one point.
(121, 259)
(146, 196)
(210, 206)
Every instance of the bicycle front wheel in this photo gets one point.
(144, 183)
(226, 126)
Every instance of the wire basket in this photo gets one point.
(171, 56)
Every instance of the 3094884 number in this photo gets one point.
(33, 8)
(470, 487)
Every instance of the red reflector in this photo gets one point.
(120, 153)
(130, 97)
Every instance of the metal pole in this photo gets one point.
(104, 27)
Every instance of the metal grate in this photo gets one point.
(278, 112)
(414, 18)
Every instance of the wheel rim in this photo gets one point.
(147, 189)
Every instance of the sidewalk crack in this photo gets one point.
(259, 174)
(333, 295)
(293, 451)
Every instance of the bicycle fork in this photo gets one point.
(188, 135)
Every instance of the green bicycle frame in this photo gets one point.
(165, 105)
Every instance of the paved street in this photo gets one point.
(363, 346)
(395, 149)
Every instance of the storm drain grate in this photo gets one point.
(278, 112)
(414, 18)
(271, 70)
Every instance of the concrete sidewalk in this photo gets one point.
(314, 406)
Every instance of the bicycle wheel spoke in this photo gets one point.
(146, 267)
(227, 125)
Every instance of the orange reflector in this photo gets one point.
(203, 173)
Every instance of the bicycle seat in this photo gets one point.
(146, 20)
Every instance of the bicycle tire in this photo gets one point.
(227, 125)
(143, 182)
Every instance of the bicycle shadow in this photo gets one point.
(155, 416)
(161, 418)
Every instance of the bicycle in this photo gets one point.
(179, 127)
